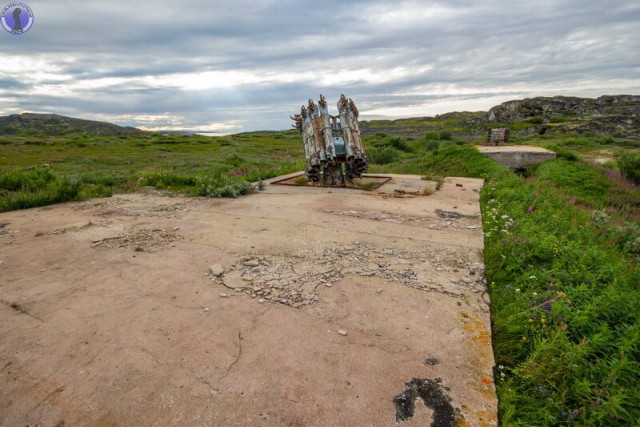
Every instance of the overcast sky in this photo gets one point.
(229, 66)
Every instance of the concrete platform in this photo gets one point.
(289, 307)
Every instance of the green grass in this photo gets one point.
(102, 166)
(35, 187)
(565, 307)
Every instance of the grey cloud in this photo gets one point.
(477, 49)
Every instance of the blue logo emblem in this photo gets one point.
(16, 18)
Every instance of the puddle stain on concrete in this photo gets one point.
(434, 396)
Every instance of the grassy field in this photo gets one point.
(101, 166)
(562, 244)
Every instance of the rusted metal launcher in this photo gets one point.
(332, 144)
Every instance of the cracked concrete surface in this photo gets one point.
(292, 306)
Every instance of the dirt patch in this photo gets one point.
(280, 308)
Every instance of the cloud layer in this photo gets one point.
(246, 65)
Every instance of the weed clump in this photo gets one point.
(437, 178)
(218, 185)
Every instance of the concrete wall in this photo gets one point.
(517, 157)
(521, 160)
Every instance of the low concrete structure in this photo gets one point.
(517, 157)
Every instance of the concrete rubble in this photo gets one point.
(293, 280)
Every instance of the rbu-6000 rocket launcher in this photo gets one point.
(332, 144)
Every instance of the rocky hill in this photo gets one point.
(609, 115)
(617, 115)
(30, 124)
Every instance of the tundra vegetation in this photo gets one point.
(562, 241)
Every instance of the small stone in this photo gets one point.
(476, 266)
(224, 295)
(328, 285)
(486, 298)
(251, 263)
(262, 301)
(342, 332)
(216, 270)
(379, 291)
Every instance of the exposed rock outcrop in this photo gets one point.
(609, 114)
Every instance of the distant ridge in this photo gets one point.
(617, 115)
(31, 124)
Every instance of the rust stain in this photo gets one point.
(479, 337)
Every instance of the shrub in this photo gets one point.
(399, 144)
(630, 166)
(432, 135)
(35, 187)
(382, 156)
(432, 145)
(445, 135)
